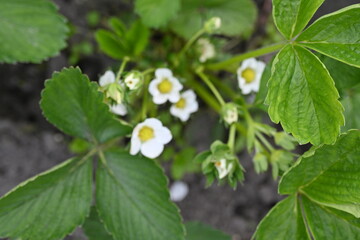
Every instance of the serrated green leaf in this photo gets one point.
(291, 16)
(31, 31)
(94, 228)
(303, 97)
(200, 231)
(283, 222)
(110, 44)
(50, 205)
(74, 105)
(157, 13)
(336, 35)
(344, 75)
(351, 103)
(133, 200)
(330, 224)
(237, 16)
(330, 176)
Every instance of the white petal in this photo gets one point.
(153, 123)
(174, 97)
(163, 72)
(119, 109)
(193, 107)
(160, 99)
(152, 148)
(153, 89)
(178, 191)
(189, 94)
(177, 86)
(163, 135)
(107, 78)
(135, 144)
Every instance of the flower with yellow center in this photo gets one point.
(223, 168)
(249, 75)
(165, 87)
(149, 138)
(186, 105)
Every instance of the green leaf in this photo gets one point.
(184, 163)
(344, 75)
(94, 227)
(50, 205)
(200, 231)
(263, 90)
(336, 35)
(303, 97)
(157, 13)
(30, 31)
(137, 38)
(283, 221)
(330, 224)
(237, 16)
(291, 16)
(351, 103)
(73, 104)
(133, 200)
(330, 175)
(110, 44)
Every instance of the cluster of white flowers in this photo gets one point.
(166, 87)
(249, 75)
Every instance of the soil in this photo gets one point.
(30, 145)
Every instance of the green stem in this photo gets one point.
(264, 141)
(226, 89)
(231, 140)
(145, 99)
(211, 86)
(121, 69)
(148, 71)
(204, 94)
(192, 40)
(242, 57)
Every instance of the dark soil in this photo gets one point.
(30, 145)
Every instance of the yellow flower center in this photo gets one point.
(146, 133)
(218, 164)
(249, 75)
(181, 103)
(165, 86)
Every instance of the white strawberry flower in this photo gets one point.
(223, 168)
(149, 138)
(249, 75)
(186, 105)
(133, 80)
(118, 109)
(165, 87)
(206, 48)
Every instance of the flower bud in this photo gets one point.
(115, 92)
(229, 113)
(133, 80)
(212, 24)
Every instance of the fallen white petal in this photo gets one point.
(178, 191)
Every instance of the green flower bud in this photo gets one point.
(260, 162)
(115, 92)
(212, 24)
(230, 113)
